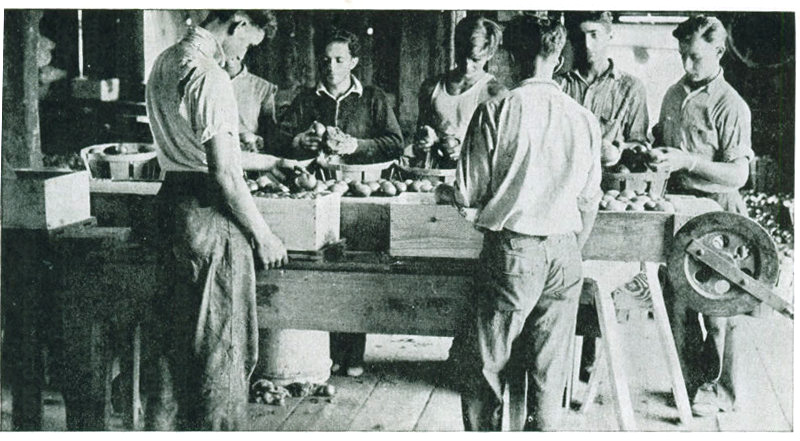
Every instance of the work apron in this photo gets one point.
(203, 326)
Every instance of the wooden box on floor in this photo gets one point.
(303, 224)
(45, 199)
(420, 228)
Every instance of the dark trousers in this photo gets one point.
(347, 349)
(203, 330)
(526, 301)
(725, 356)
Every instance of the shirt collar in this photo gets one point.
(611, 72)
(355, 87)
(206, 43)
(708, 88)
(531, 81)
(242, 73)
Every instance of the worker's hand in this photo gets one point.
(445, 194)
(269, 251)
(451, 146)
(425, 139)
(671, 159)
(250, 142)
(308, 140)
(346, 145)
(287, 164)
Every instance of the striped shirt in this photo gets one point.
(616, 98)
(712, 121)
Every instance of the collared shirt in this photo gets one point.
(255, 97)
(189, 101)
(712, 121)
(617, 99)
(531, 161)
(362, 112)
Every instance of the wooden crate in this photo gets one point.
(419, 227)
(44, 199)
(303, 224)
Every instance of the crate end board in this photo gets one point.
(303, 224)
(440, 231)
(45, 199)
(431, 231)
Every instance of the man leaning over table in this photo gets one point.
(203, 328)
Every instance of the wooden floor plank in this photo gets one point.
(398, 400)
(317, 414)
(268, 418)
(442, 413)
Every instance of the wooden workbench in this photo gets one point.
(107, 280)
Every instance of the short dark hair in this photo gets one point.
(573, 19)
(335, 34)
(463, 36)
(708, 28)
(527, 37)
(264, 19)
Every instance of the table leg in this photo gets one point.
(668, 344)
(594, 380)
(23, 273)
(614, 359)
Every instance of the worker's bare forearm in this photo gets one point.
(259, 161)
(587, 219)
(731, 174)
(241, 204)
(222, 153)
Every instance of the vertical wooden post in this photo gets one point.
(614, 360)
(668, 344)
(21, 136)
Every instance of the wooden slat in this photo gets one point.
(442, 413)
(317, 414)
(614, 360)
(303, 224)
(365, 223)
(363, 302)
(268, 417)
(665, 336)
(395, 405)
(142, 188)
(432, 231)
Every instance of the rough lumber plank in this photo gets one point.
(442, 413)
(395, 405)
(614, 360)
(267, 417)
(303, 224)
(141, 188)
(668, 345)
(317, 414)
(365, 223)
(432, 231)
(362, 302)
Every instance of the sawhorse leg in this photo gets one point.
(668, 344)
(612, 347)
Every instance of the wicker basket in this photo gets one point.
(121, 161)
(357, 172)
(435, 175)
(647, 182)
